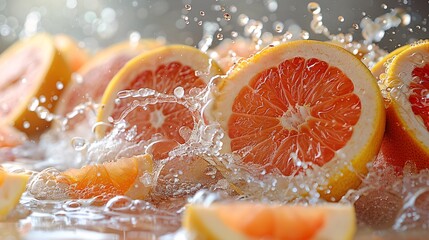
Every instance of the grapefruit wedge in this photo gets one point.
(407, 126)
(93, 77)
(12, 185)
(304, 103)
(123, 177)
(31, 69)
(163, 70)
(261, 221)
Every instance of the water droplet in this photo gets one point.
(313, 8)
(278, 27)
(202, 13)
(188, 7)
(384, 6)
(234, 34)
(355, 26)
(243, 19)
(219, 36)
(34, 103)
(179, 92)
(78, 143)
(134, 37)
(305, 35)
(341, 18)
(26, 125)
(227, 16)
(59, 85)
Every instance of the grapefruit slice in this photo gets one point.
(260, 221)
(163, 70)
(299, 103)
(31, 69)
(123, 177)
(94, 76)
(73, 54)
(12, 185)
(10, 137)
(407, 126)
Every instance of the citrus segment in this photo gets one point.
(259, 221)
(12, 185)
(162, 70)
(303, 102)
(31, 69)
(122, 177)
(93, 77)
(406, 137)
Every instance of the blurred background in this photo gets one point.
(98, 23)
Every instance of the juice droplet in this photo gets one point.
(313, 8)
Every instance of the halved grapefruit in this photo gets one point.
(31, 70)
(242, 220)
(93, 77)
(163, 70)
(125, 176)
(299, 103)
(407, 125)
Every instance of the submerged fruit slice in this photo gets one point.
(31, 69)
(10, 137)
(162, 70)
(92, 79)
(301, 103)
(259, 221)
(123, 177)
(12, 185)
(74, 55)
(407, 126)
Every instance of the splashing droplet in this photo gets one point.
(188, 7)
(313, 8)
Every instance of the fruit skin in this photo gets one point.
(57, 71)
(401, 143)
(348, 177)
(12, 185)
